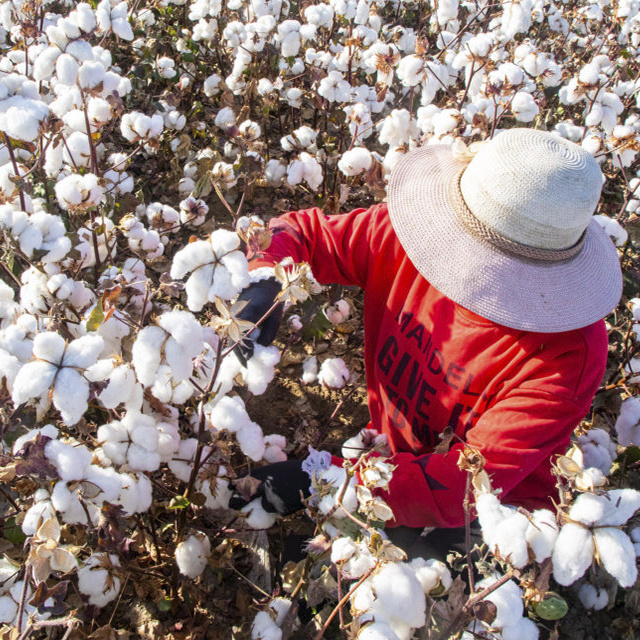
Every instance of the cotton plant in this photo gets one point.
(192, 555)
(56, 371)
(593, 532)
(217, 268)
(162, 355)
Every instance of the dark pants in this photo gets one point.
(437, 544)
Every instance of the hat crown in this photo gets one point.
(533, 187)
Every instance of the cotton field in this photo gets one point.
(144, 147)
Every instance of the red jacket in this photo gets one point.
(515, 395)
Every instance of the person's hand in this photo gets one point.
(281, 485)
(260, 297)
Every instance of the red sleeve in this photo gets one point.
(337, 247)
(516, 436)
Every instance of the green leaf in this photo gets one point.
(97, 316)
(551, 607)
(12, 532)
(317, 326)
(165, 604)
(203, 187)
(179, 502)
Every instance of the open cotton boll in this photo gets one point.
(355, 161)
(215, 490)
(48, 430)
(593, 597)
(542, 533)
(399, 595)
(616, 554)
(618, 506)
(597, 449)
(342, 549)
(256, 516)
(274, 448)
(260, 369)
(431, 574)
(508, 601)
(97, 579)
(310, 370)
(359, 563)
(333, 373)
(335, 477)
(572, 554)
(70, 460)
(628, 422)
(523, 629)
(192, 555)
(40, 511)
(377, 630)
(264, 627)
(136, 494)
(251, 441)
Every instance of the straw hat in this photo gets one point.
(509, 235)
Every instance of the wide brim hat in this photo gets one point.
(544, 288)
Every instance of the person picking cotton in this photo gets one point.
(486, 282)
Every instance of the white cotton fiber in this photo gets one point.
(256, 516)
(616, 554)
(265, 628)
(342, 549)
(628, 422)
(192, 555)
(541, 534)
(431, 573)
(593, 597)
(261, 368)
(97, 579)
(399, 595)
(145, 354)
(83, 352)
(70, 395)
(333, 373)
(69, 460)
(523, 629)
(508, 601)
(310, 370)
(377, 631)
(572, 554)
(251, 441)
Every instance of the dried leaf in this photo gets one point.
(246, 486)
(445, 440)
(109, 633)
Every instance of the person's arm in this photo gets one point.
(337, 247)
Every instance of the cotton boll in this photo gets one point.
(541, 534)
(616, 554)
(136, 494)
(265, 628)
(508, 601)
(399, 595)
(69, 460)
(378, 630)
(216, 491)
(613, 229)
(359, 563)
(274, 448)
(260, 368)
(593, 597)
(48, 430)
(256, 516)
(572, 554)
(524, 629)
(310, 370)
(333, 373)
(70, 395)
(40, 511)
(251, 441)
(431, 574)
(192, 555)
(97, 579)
(355, 161)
